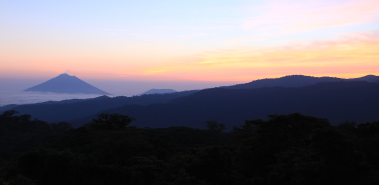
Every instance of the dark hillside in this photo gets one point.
(73, 109)
(338, 102)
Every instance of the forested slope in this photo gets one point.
(337, 101)
(73, 109)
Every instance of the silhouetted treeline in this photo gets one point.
(284, 149)
(18, 133)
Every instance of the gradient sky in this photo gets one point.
(197, 40)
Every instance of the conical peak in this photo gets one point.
(65, 83)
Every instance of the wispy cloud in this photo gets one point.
(359, 45)
(356, 53)
(284, 17)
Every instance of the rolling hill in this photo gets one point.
(336, 101)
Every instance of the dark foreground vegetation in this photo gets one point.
(285, 149)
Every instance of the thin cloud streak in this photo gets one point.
(355, 53)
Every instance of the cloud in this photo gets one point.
(353, 53)
(11, 97)
(286, 18)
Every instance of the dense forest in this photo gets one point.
(282, 149)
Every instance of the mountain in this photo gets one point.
(65, 83)
(367, 78)
(336, 101)
(286, 81)
(57, 111)
(296, 81)
(233, 106)
(158, 91)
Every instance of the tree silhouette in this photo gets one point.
(110, 122)
(215, 126)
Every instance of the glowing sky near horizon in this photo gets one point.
(213, 40)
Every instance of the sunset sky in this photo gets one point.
(197, 40)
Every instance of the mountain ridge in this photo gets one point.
(76, 109)
(296, 81)
(56, 111)
(336, 101)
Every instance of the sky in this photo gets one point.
(220, 41)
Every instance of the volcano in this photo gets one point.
(65, 83)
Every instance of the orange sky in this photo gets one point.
(237, 41)
(352, 56)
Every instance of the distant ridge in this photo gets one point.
(297, 81)
(65, 83)
(367, 78)
(336, 101)
(57, 111)
(158, 91)
(350, 99)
